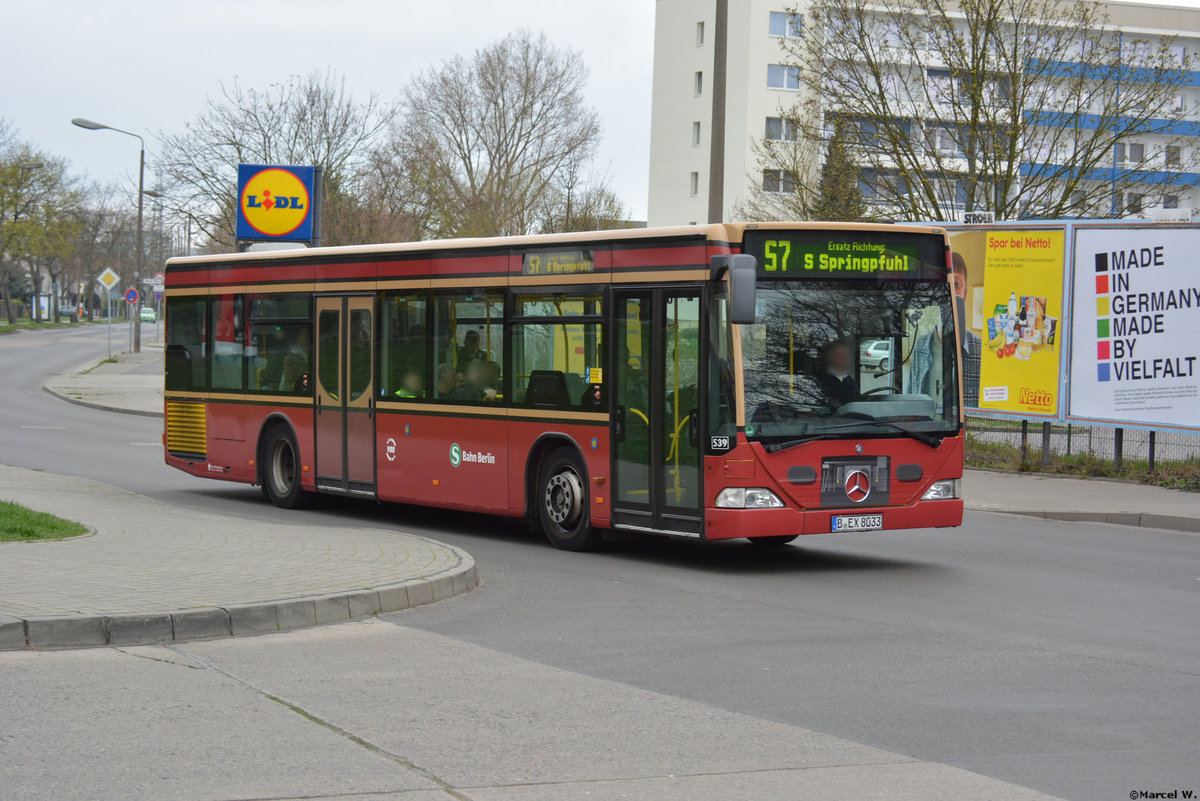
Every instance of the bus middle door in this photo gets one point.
(345, 412)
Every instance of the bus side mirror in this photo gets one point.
(743, 284)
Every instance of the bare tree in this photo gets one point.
(484, 139)
(35, 227)
(579, 201)
(303, 120)
(1021, 107)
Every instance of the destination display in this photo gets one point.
(1135, 346)
(558, 262)
(899, 255)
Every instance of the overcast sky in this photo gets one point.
(148, 66)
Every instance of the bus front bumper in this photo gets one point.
(728, 524)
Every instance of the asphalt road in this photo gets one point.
(1061, 657)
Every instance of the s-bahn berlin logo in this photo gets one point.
(275, 202)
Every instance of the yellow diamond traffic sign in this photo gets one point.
(108, 279)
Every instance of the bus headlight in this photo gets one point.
(944, 490)
(748, 498)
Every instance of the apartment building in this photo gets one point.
(720, 85)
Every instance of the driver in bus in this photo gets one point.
(835, 380)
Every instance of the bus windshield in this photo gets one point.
(845, 358)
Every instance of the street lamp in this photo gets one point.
(137, 311)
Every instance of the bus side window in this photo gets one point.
(559, 360)
(279, 352)
(468, 348)
(186, 369)
(402, 350)
(228, 341)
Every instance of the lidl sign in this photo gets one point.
(275, 202)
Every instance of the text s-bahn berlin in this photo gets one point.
(759, 381)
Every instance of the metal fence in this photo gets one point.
(1109, 444)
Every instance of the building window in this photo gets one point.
(778, 181)
(699, 82)
(780, 129)
(781, 76)
(941, 140)
(1178, 54)
(699, 33)
(1133, 202)
(1173, 155)
(1131, 152)
(1170, 201)
(694, 184)
(783, 24)
(696, 133)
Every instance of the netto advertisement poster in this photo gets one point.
(1008, 285)
(1135, 344)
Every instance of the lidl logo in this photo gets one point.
(274, 202)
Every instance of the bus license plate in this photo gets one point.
(857, 522)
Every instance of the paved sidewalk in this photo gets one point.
(1094, 500)
(132, 385)
(151, 573)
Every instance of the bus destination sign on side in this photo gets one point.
(559, 262)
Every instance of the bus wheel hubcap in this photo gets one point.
(283, 467)
(564, 499)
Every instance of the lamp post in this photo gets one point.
(137, 307)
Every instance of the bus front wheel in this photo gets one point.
(281, 471)
(562, 502)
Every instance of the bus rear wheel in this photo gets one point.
(281, 471)
(771, 542)
(562, 502)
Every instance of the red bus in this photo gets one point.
(759, 381)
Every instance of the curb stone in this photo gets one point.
(1134, 519)
(78, 631)
(101, 406)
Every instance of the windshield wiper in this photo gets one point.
(920, 436)
(775, 447)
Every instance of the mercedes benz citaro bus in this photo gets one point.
(701, 381)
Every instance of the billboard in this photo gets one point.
(1135, 331)
(275, 203)
(1008, 286)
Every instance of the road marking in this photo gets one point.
(46, 428)
(147, 444)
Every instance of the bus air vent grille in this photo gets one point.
(186, 428)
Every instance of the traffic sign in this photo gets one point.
(160, 278)
(108, 279)
(158, 294)
(131, 295)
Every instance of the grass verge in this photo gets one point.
(19, 524)
(1183, 475)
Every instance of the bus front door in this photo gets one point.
(344, 421)
(656, 425)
